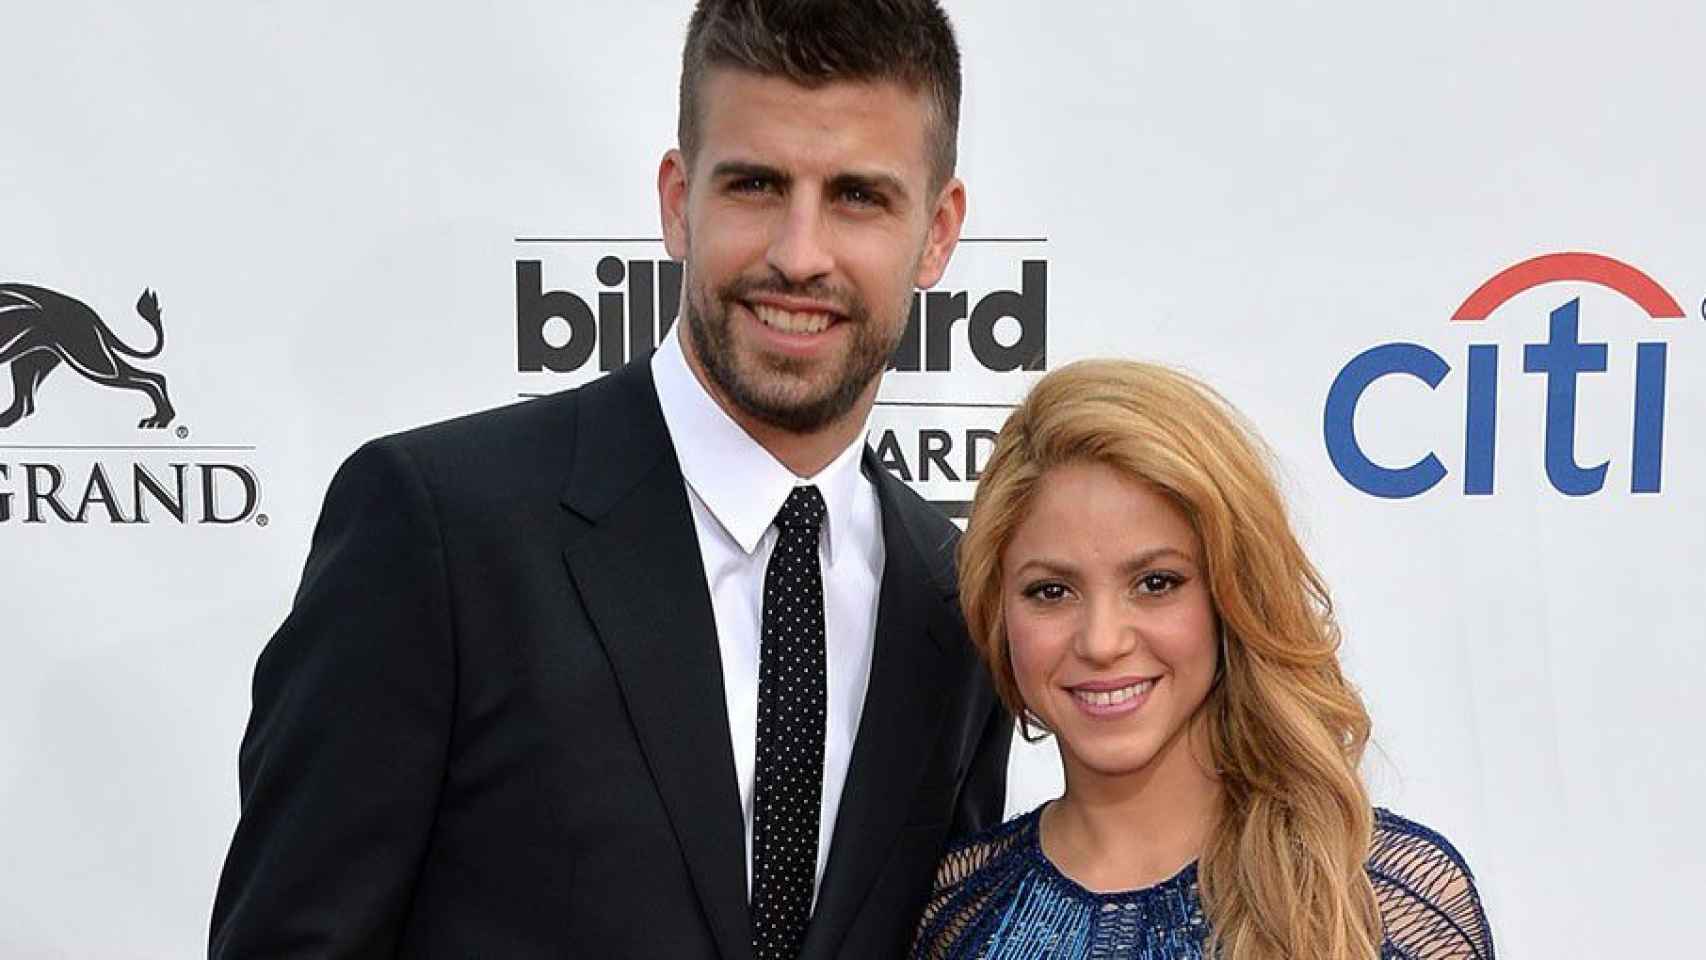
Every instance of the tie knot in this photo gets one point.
(802, 512)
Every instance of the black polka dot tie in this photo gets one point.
(788, 785)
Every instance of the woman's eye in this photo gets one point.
(1047, 592)
(1157, 583)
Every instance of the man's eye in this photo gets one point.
(751, 185)
(860, 197)
(1158, 583)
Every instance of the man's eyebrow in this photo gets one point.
(874, 181)
(747, 170)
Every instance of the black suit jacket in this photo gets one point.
(493, 724)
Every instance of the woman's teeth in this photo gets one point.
(789, 321)
(1107, 698)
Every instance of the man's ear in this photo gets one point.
(672, 203)
(946, 219)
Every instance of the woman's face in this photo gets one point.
(1110, 628)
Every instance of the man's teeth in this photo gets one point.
(1107, 698)
(789, 321)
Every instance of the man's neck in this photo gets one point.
(804, 454)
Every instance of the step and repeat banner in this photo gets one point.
(1448, 257)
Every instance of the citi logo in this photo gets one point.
(639, 300)
(1561, 359)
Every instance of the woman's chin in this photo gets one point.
(1100, 758)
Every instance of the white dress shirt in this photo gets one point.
(736, 488)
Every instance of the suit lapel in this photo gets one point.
(897, 729)
(641, 580)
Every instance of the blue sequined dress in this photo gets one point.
(998, 898)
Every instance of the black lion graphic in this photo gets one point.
(39, 328)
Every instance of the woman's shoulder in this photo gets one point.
(967, 873)
(1426, 893)
(1395, 835)
(978, 852)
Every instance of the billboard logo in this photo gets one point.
(645, 310)
(1561, 359)
(40, 329)
(638, 300)
(597, 302)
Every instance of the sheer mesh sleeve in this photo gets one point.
(1426, 895)
(959, 895)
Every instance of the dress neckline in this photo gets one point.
(1183, 882)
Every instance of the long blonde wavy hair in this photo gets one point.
(1282, 875)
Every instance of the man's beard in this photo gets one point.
(764, 388)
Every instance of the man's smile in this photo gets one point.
(793, 314)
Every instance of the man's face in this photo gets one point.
(806, 221)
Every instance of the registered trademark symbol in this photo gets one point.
(183, 433)
(261, 520)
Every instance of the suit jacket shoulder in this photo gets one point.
(585, 443)
(932, 535)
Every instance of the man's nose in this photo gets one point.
(800, 248)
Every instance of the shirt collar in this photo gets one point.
(738, 480)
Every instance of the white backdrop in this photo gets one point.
(328, 199)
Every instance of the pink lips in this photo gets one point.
(1116, 697)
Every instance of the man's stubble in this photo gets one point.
(770, 393)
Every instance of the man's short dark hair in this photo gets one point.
(815, 42)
